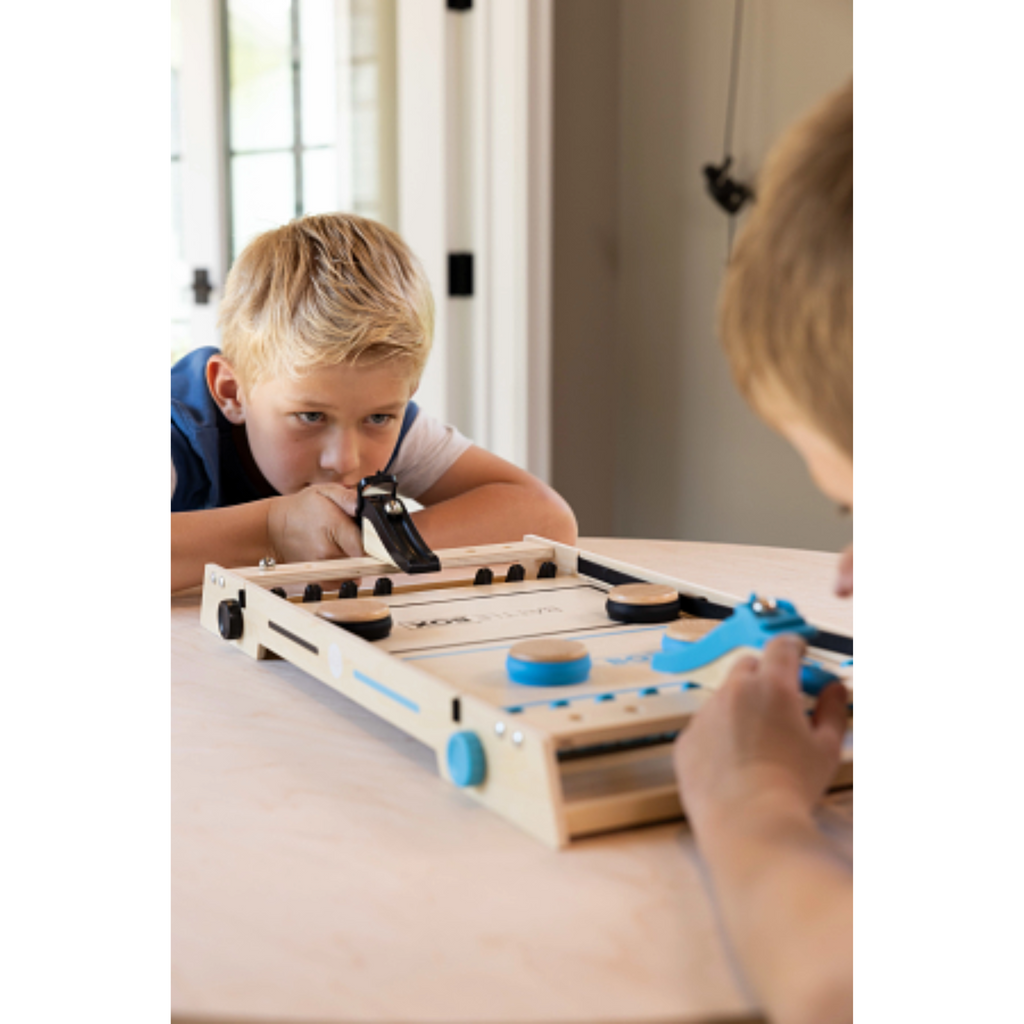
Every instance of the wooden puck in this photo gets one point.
(548, 651)
(643, 602)
(362, 616)
(548, 662)
(690, 630)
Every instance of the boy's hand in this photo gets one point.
(752, 744)
(315, 524)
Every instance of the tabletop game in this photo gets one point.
(550, 682)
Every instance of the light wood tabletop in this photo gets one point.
(322, 871)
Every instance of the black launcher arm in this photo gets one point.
(388, 531)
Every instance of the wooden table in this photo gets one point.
(322, 871)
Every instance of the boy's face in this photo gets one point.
(830, 467)
(333, 425)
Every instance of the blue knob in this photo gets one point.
(467, 763)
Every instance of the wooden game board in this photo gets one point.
(561, 762)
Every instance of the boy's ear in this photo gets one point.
(225, 388)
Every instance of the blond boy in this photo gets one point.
(327, 323)
(752, 764)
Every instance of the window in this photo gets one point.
(278, 108)
(310, 111)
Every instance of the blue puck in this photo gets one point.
(548, 663)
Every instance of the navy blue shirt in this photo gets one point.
(209, 469)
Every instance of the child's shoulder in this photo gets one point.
(192, 405)
(192, 365)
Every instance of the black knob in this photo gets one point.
(484, 577)
(229, 619)
(313, 592)
(547, 571)
(348, 589)
(382, 587)
(516, 574)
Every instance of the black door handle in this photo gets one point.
(201, 286)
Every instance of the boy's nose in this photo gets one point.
(340, 456)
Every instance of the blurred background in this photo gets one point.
(544, 160)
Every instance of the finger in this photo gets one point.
(781, 661)
(744, 668)
(844, 578)
(679, 751)
(347, 536)
(344, 497)
(829, 717)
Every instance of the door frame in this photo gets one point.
(204, 163)
(504, 148)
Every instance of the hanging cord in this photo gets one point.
(734, 70)
(730, 195)
(730, 112)
(730, 109)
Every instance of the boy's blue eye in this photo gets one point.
(380, 419)
(310, 417)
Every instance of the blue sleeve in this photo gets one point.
(412, 410)
(192, 490)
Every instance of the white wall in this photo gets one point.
(585, 261)
(651, 438)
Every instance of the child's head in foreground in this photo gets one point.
(326, 326)
(787, 304)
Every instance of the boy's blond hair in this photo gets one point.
(786, 315)
(323, 290)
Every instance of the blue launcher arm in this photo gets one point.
(750, 626)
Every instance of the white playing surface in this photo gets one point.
(463, 635)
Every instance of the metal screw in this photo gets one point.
(220, 581)
(393, 508)
(267, 563)
(499, 728)
(764, 605)
(517, 738)
(213, 577)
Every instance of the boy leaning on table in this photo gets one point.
(327, 323)
(752, 764)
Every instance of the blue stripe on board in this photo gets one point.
(505, 647)
(668, 684)
(404, 701)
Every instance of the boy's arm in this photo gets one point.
(228, 536)
(482, 499)
(751, 765)
(313, 525)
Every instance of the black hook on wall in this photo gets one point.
(729, 194)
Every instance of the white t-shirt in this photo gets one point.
(428, 451)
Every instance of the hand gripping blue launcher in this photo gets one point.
(746, 631)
